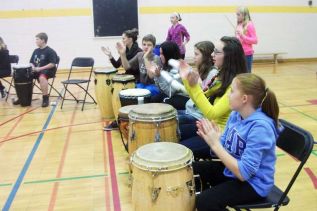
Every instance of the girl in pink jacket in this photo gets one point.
(245, 32)
(178, 33)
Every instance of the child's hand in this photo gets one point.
(184, 69)
(153, 70)
(209, 131)
(121, 48)
(106, 51)
(148, 53)
(193, 78)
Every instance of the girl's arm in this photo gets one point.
(211, 133)
(186, 35)
(249, 36)
(210, 111)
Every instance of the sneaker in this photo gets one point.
(112, 126)
(3, 93)
(45, 101)
(16, 102)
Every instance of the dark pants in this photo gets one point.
(189, 137)
(3, 74)
(177, 101)
(220, 191)
(249, 60)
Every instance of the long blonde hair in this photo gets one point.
(246, 17)
(3, 46)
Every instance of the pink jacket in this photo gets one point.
(248, 38)
(177, 34)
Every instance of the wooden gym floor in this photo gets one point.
(53, 159)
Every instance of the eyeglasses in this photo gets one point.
(217, 52)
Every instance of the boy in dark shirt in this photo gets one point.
(43, 61)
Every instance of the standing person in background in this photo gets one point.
(245, 32)
(5, 66)
(129, 39)
(178, 33)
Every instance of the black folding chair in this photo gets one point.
(80, 62)
(50, 83)
(14, 59)
(298, 143)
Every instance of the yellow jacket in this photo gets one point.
(218, 111)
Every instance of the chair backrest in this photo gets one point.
(57, 62)
(299, 144)
(14, 59)
(83, 62)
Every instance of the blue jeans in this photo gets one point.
(151, 87)
(249, 60)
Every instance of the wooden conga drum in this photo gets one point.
(134, 96)
(120, 82)
(103, 86)
(152, 122)
(123, 123)
(162, 177)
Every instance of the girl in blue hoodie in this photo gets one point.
(246, 148)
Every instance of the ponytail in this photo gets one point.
(263, 97)
(270, 106)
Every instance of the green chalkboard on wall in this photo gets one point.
(112, 17)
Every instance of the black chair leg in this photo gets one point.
(10, 85)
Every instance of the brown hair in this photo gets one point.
(149, 38)
(42, 36)
(132, 33)
(255, 86)
(206, 48)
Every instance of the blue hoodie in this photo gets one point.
(252, 142)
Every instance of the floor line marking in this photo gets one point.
(65, 179)
(27, 164)
(106, 186)
(55, 128)
(13, 118)
(312, 176)
(114, 182)
(12, 129)
(62, 162)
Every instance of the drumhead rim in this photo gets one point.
(167, 165)
(125, 78)
(102, 71)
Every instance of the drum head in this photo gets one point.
(124, 111)
(123, 78)
(105, 71)
(162, 156)
(21, 66)
(152, 112)
(134, 93)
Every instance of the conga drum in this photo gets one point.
(103, 85)
(23, 82)
(120, 82)
(162, 177)
(152, 122)
(134, 96)
(123, 123)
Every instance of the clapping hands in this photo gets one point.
(209, 131)
(186, 72)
